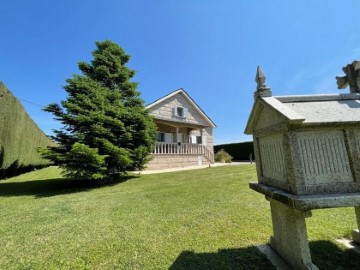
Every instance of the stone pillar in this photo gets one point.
(290, 236)
(177, 134)
(355, 233)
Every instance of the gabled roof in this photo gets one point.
(189, 99)
(314, 109)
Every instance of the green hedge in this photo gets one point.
(239, 151)
(19, 135)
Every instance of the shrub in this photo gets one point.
(223, 157)
(239, 151)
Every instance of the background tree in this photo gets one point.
(106, 128)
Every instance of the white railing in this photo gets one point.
(183, 148)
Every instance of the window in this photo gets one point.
(161, 137)
(197, 139)
(180, 111)
(165, 137)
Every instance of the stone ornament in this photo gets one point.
(260, 78)
(307, 151)
(261, 90)
(351, 79)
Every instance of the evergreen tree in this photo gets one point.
(106, 129)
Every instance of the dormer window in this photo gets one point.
(180, 112)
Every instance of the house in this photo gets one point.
(184, 132)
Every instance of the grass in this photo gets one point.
(200, 219)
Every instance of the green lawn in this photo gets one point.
(200, 219)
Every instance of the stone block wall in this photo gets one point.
(272, 154)
(165, 110)
(175, 161)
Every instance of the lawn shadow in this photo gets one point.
(53, 187)
(327, 255)
(239, 258)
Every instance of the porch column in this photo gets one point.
(177, 137)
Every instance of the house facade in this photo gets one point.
(184, 132)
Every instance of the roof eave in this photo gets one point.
(291, 116)
(255, 111)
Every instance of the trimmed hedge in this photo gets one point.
(19, 136)
(239, 151)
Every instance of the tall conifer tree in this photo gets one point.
(106, 128)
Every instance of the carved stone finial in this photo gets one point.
(261, 90)
(260, 78)
(351, 79)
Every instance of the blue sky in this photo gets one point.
(211, 48)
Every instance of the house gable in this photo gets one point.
(171, 106)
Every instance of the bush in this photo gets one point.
(239, 151)
(223, 157)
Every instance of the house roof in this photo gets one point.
(189, 99)
(314, 109)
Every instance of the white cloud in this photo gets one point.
(321, 79)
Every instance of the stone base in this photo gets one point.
(309, 202)
(355, 233)
(168, 161)
(356, 236)
(273, 257)
(290, 235)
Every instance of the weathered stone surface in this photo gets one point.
(307, 157)
(314, 109)
(324, 157)
(308, 202)
(355, 236)
(272, 154)
(269, 118)
(261, 90)
(175, 161)
(355, 233)
(327, 111)
(352, 77)
(290, 235)
(290, 114)
(273, 257)
(320, 143)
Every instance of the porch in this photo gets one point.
(181, 145)
(165, 148)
